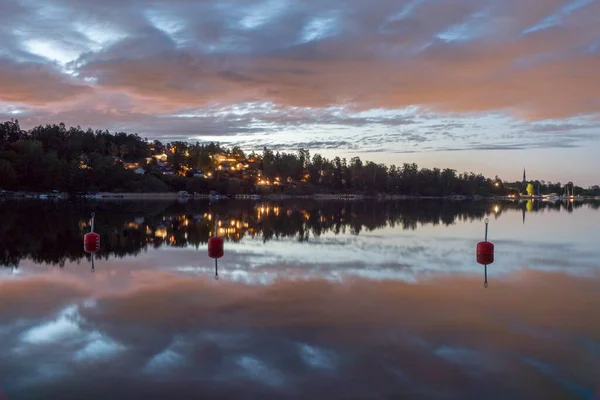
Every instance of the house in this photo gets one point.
(160, 157)
(226, 158)
(164, 170)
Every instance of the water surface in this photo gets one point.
(314, 300)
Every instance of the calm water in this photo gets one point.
(360, 300)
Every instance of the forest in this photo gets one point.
(73, 160)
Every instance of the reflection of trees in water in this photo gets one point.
(52, 232)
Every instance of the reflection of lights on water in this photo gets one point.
(496, 209)
(161, 233)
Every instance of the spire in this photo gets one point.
(524, 176)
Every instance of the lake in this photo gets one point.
(331, 299)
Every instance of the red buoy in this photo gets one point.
(485, 249)
(485, 253)
(91, 242)
(215, 247)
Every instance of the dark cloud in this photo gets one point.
(139, 66)
(386, 54)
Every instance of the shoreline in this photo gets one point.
(109, 196)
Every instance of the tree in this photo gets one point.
(54, 157)
(7, 175)
(530, 189)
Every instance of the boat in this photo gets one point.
(565, 195)
(551, 197)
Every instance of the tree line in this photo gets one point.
(54, 157)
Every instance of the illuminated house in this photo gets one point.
(161, 157)
(226, 158)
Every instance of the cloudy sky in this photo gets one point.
(484, 85)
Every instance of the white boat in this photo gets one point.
(551, 197)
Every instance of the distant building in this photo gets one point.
(165, 170)
(139, 171)
(130, 165)
(197, 173)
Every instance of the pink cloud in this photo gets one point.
(36, 84)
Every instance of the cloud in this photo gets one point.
(364, 59)
(36, 84)
(387, 54)
(263, 70)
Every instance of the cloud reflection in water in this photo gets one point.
(441, 337)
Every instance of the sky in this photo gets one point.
(488, 86)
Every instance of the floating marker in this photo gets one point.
(485, 252)
(91, 242)
(215, 249)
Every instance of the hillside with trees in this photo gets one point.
(54, 157)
